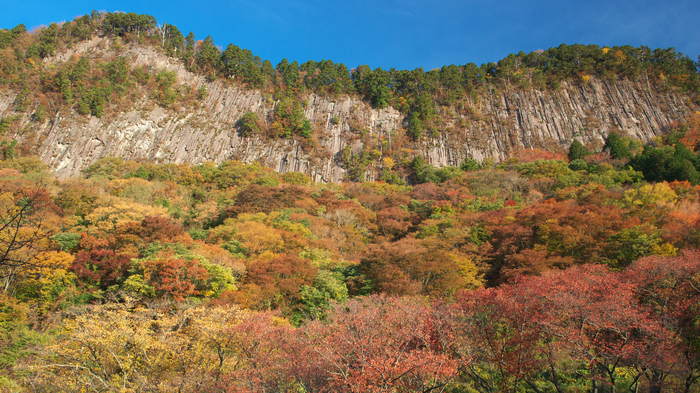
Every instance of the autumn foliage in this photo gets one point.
(530, 276)
(584, 328)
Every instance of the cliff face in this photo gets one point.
(491, 124)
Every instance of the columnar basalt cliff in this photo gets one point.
(491, 124)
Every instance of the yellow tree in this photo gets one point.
(117, 347)
(114, 212)
(25, 228)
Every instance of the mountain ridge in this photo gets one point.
(354, 137)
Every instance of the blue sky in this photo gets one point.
(404, 34)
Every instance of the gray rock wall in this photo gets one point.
(492, 125)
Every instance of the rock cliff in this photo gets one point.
(491, 124)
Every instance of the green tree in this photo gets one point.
(316, 299)
(234, 60)
(577, 151)
(47, 40)
(289, 73)
(374, 85)
(166, 95)
(425, 107)
(122, 23)
(667, 163)
(8, 37)
(290, 119)
(208, 56)
(267, 70)
(452, 81)
(415, 126)
(249, 124)
(189, 43)
(616, 146)
(171, 38)
(469, 165)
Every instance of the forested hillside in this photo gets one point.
(573, 269)
(120, 85)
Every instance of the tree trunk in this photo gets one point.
(655, 382)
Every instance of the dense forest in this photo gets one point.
(542, 273)
(568, 271)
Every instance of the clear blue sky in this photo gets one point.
(403, 34)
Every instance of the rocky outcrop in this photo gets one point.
(491, 124)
